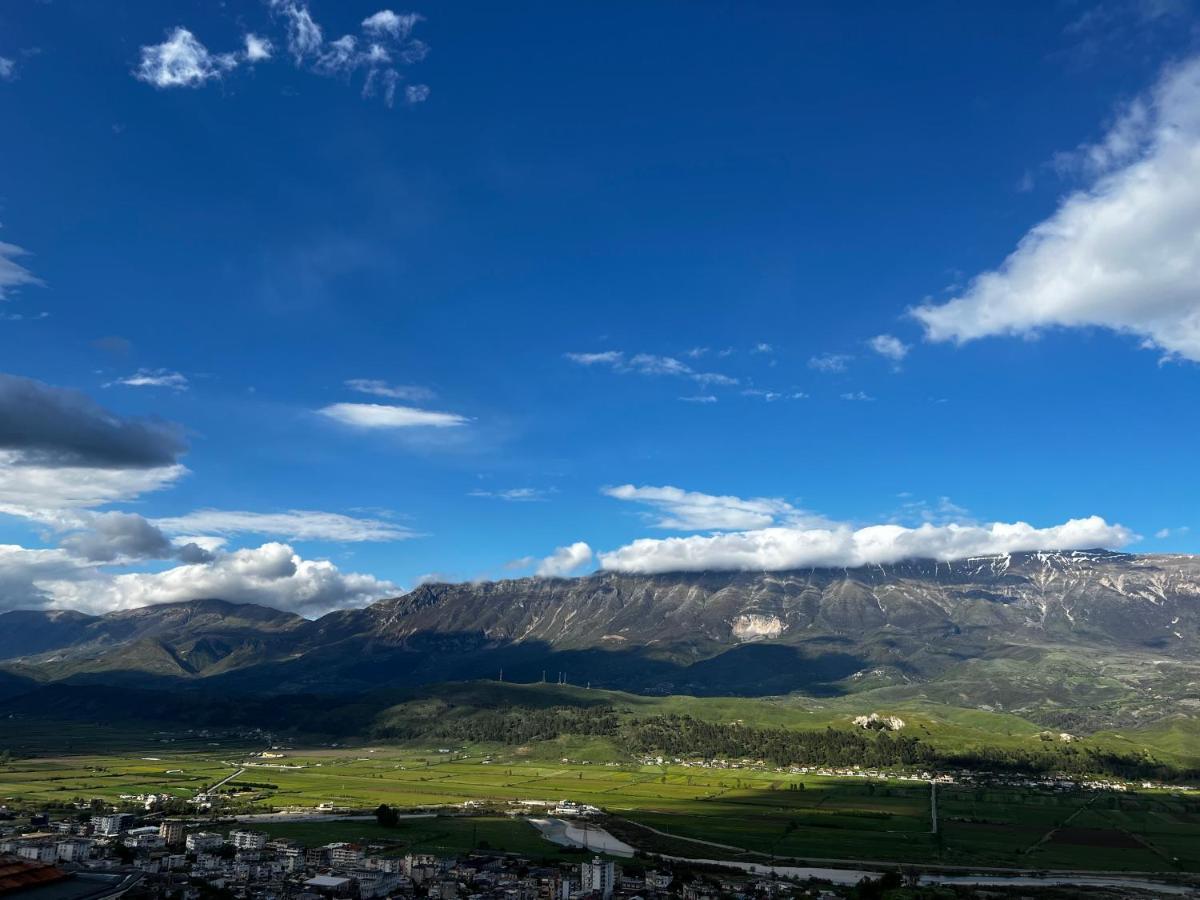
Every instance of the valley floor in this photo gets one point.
(750, 814)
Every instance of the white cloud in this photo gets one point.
(516, 495)
(386, 43)
(378, 415)
(398, 25)
(1164, 533)
(772, 396)
(649, 364)
(781, 548)
(1120, 254)
(379, 388)
(830, 362)
(8, 69)
(681, 510)
(52, 494)
(763, 348)
(154, 378)
(565, 560)
(12, 273)
(272, 575)
(294, 524)
(857, 396)
(304, 37)
(700, 398)
(889, 347)
(607, 357)
(181, 61)
(258, 49)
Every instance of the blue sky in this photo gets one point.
(645, 246)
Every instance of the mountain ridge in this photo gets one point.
(921, 625)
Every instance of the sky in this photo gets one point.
(307, 302)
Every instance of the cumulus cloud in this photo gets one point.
(12, 273)
(830, 362)
(58, 426)
(1121, 253)
(118, 536)
(781, 548)
(889, 347)
(272, 575)
(378, 415)
(154, 378)
(649, 364)
(294, 524)
(258, 49)
(379, 388)
(565, 560)
(680, 510)
(182, 61)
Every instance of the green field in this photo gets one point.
(762, 812)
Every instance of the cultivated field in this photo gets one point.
(764, 812)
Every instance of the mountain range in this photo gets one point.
(1081, 638)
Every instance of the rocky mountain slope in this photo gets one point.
(1084, 628)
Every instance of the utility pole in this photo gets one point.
(543, 676)
(502, 673)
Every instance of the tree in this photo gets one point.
(386, 816)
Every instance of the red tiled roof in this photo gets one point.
(17, 873)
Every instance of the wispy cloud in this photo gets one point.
(293, 524)
(772, 396)
(650, 364)
(378, 415)
(12, 273)
(889, 347)
(830, 362)
(857, 396)
(515, 495)
(384, 45)
(8, 68)
(679, 510)
(379, 388)
(154, 378)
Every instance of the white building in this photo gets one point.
(344, 856)
(112, 825)
(597, 875)
(204, 841)
(248, 840)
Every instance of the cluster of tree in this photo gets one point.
(510, 725)
(685, 736)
